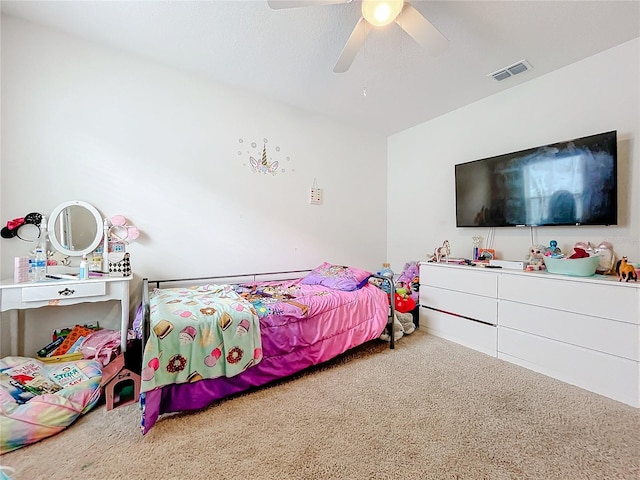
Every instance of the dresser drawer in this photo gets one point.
(476, 307)
(595, 333)
(608, 375)
(60, 291)
(478, 336)
(613, 300)
(474, 280)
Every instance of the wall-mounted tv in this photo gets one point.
(566, 183)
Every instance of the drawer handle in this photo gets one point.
(66, 292)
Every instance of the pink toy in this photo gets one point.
(409, 280)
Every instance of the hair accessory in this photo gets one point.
(13, 226)
(120, 231)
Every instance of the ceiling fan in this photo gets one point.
(378, 13)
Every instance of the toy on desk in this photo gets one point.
(442, 252)
(552, 250)
(535, 257)
(626, 271)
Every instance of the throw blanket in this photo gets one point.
(199, 332)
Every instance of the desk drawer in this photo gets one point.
(60, 291)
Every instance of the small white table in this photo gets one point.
(16, 297)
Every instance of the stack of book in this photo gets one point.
(65, 345)
(32, 378)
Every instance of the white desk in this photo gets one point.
(21, 296)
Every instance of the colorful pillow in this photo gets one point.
(337, 276)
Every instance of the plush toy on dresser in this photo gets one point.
(535, 257)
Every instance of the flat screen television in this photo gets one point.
(566, 183)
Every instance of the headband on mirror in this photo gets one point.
(27, 223)
(120, 231)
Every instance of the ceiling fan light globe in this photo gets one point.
(381, 12)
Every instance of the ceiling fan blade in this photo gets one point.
(422, 30)
(280, 4)
(353, 46)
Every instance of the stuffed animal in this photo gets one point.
(406, 320)
(402, 325)
(535, 257)
(398, 331)
(404, 304)
(408, 282)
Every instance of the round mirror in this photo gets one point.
(75, 228)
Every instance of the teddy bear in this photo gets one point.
(402, 325)
(406, 320)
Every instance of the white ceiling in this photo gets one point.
(288, 55)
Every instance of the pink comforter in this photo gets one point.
(301, 326)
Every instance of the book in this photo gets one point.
(40, 384)
(10, 388)
(76, 346)
(26, 380)
(26, 369)
(77, 332)
(67, 375)
(49, 349)
(64, 331)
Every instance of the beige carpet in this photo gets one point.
(428, 410)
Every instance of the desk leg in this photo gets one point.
(124, 322)
(14, 330)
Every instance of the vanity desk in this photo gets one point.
(75, 230)
(16, 297)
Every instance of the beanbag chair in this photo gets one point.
(26, 414)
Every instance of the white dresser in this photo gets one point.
(581, 330)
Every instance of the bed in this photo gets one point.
(210, 338)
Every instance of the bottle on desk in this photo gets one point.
(84, 268)
(39, 265)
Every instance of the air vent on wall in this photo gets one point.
(511, 70)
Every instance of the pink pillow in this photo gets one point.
(337, 276)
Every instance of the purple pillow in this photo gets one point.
(337, 277)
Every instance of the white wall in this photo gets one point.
(160, 146)
(598, 94)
